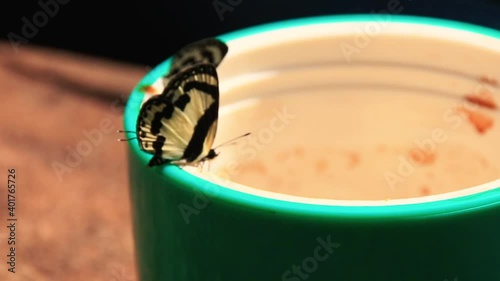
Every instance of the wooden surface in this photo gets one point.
(74, 224)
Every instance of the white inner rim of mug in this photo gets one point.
(426, 64)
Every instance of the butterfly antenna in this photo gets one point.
(125, 131)
(233, 141)
(128, 139)
(129, 132)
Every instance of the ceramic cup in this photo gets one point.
(374, 155)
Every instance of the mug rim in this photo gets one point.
(461, 203)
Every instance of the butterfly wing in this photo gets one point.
(208, 50)
(179, 125)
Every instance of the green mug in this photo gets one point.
(373, 156)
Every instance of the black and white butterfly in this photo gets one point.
(179, 125)
(208, 50)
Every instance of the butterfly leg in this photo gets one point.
(208, 165)
(199, 165)
(157, 160)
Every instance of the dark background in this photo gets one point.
(149, 31)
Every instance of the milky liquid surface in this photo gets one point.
(354, 145)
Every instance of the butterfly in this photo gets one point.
(208, 50)
(179, 125)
